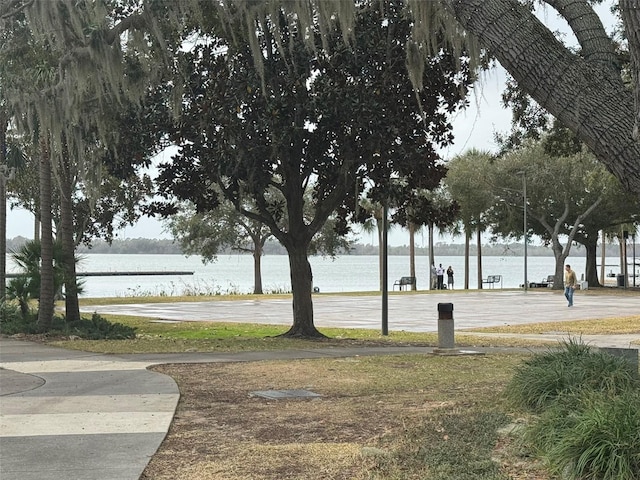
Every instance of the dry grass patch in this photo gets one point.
(600, 326)
(371, 415)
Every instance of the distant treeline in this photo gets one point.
(167, 246)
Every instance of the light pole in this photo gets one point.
(526, 239)
(385, 271)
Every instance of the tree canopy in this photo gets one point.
(585, 89)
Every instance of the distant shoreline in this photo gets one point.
(136, 246)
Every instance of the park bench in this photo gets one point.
(548, 282)
(492, 280)
(404, 282)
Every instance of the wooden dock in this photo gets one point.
(121, 274)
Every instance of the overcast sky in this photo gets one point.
(474, 127)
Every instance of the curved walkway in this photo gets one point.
(68, 415)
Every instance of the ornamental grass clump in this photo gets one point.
(590, 435)
(586, 407)
(538, 382)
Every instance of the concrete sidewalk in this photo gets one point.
(68, 415)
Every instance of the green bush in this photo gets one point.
(588, 406)
(13, 320)
(590, 435)
(95, 328)
(99, 328)
(538, 382)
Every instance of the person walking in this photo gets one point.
(570, 283)
(440, 274)
(450, 278)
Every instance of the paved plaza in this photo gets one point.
(408, 311)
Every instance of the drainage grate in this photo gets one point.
(282, 394)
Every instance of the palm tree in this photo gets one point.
(47, 289)
(467, 180)
(26, 286)
(4, 177)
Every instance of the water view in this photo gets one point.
(234, 273)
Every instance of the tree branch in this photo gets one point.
(134, 21)
(596, 45)
(592, 101)
(631, 17)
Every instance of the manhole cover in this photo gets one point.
(280, 394)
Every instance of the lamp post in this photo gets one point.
(385, 271)
(526, 238)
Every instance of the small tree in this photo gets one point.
(560, 196)
(208, 233)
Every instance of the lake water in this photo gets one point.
(234, 273)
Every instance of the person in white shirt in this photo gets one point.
(440, 274)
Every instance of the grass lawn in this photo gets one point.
(399, 417)
(169, 337)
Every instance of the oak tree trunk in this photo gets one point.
(301, 283)
(257, 267)
(591, 270)
(412, 254)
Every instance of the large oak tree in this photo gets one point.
(325, 123)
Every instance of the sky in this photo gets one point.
(475, 127)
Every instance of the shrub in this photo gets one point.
(538, 382)
(99, 328)
(13, 320)
(96, 328)
(589, 412)
(591, 435)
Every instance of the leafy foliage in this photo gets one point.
(26, 286)
(9, 312)
(291, 147)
